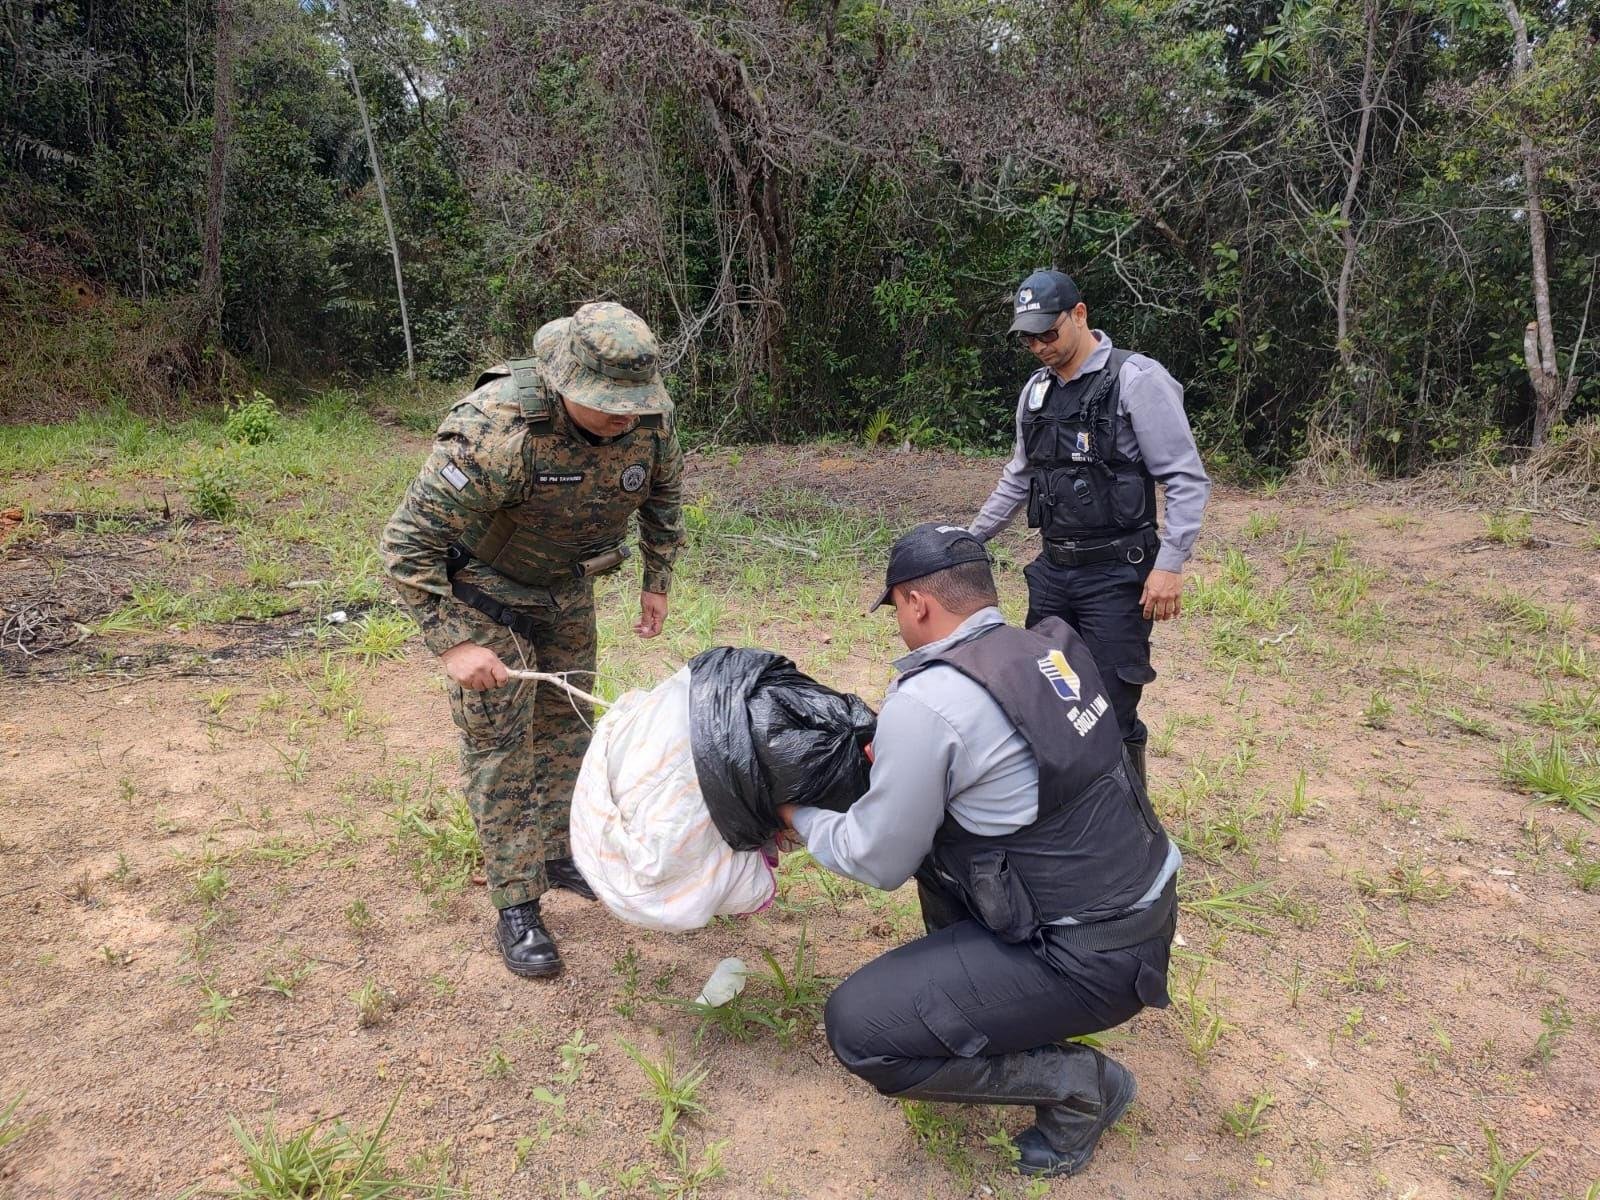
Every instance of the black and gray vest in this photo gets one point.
(1096, 846)
(1081, 486)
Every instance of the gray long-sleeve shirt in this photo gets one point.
(943, 743)
(1155, 431)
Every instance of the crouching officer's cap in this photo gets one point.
(607, 359)
(926, 550)
(1042, 297)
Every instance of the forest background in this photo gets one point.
(1360, 231)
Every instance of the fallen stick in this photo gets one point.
(547, 677)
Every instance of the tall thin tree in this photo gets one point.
(1550, 398)
(388, 219)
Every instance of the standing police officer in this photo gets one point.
(999, 778)
(525, 498)
(1097, 429)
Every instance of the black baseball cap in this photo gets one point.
(928, 548)
(1042, 297)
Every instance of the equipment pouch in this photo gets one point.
(1036, 504)
(1000, 898)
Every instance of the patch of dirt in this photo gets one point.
(1388, 1032)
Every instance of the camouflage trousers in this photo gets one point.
(522, 745)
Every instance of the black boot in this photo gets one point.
(525, 944)
(1078, 1093)
(1063, 1138)
(564, 873)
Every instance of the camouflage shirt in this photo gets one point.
(571, 494)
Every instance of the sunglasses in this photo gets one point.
(1048, 337)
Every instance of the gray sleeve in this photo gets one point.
(1153, 400)
(887, 832)
(1011, 493)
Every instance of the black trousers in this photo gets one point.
(960, 991)
(1101, 601)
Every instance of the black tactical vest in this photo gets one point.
(1082, 487)
(1096, 846)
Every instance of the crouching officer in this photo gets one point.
(1097, 429)
(524, 500)
(1046, 880)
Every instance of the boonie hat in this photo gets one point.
(608, 360)
(551, 337)
(928, 548)
(1042, 297)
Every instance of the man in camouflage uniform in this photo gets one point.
(524, 499)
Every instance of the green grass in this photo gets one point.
(324, 1161)
(434, 828)
(1502, 1172)
(1558, 775)
(676, 1089)
(1569, 710)
(12, 1128)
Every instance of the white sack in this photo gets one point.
(641, 833)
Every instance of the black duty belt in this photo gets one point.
(1122, 932)
(1133, 548)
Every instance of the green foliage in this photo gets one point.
(252, 421)
(865, 295)
(214, 489)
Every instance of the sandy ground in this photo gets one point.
(1389, 1029)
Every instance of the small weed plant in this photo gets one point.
(1247, 1119)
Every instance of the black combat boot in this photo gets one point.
(1063, 1136)
(564, 873)
(525, 944)
(1078, 1094)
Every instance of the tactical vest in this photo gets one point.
(1081, 486)
(576, 496)
(1096, 846)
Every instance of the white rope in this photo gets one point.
(559, 681)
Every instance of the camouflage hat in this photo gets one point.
(608, 361)
(550, 337)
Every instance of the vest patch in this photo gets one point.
(1063, 679)
(1084, 719)
(562, 477)
(633, 478)
(454, 476)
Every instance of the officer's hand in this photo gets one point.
(474, 667)
(1163, 595)
(787, 838)
(652, 612)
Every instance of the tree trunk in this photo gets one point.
(209, 317)
(1347, 206)
(1539, 339)
(388, 222)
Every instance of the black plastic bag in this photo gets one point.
(764, 733)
